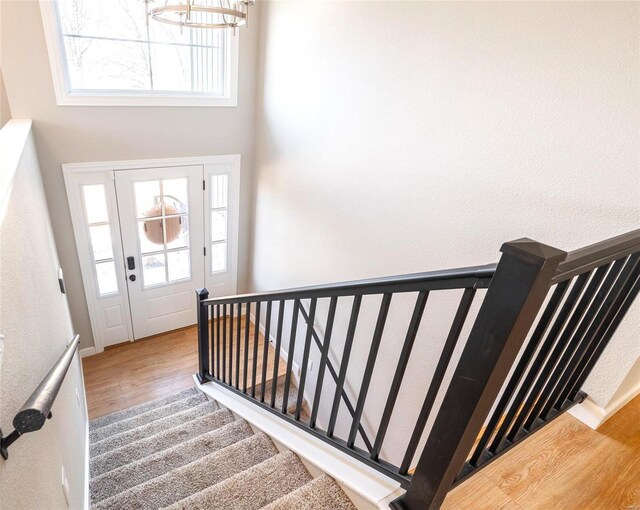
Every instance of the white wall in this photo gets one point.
(34, 317)
(74, 134)
(398, 137)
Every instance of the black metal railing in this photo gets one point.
(37, 408)
(229, 332)
(543, 323)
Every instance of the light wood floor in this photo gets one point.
(564, 466)
(134, 372)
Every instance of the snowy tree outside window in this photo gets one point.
(109, 47)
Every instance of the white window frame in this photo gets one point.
(65, 97)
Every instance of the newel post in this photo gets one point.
(515, 295)
(203, 335)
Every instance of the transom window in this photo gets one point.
(109, 49)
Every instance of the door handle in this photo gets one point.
(132, 277)
(131, 263)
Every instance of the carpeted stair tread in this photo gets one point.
(321, 493)
(144, 418)
(253, 488)
(192, 478)
(140, 471)
(292, 399)
(142, 448)
(140, 409)
(124, 438)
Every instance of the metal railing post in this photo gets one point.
(515, 295)
(203, 336)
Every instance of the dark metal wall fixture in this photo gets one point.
(545, 319)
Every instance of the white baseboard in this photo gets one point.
(372, 486)
(87, 351)
(592, 415)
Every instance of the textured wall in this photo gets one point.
(73, 134)
(397, 137)
(34, 317)
(5, 111)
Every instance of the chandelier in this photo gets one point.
(202, 13)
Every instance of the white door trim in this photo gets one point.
(136, 164)
(76, 174)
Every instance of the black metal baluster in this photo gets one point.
(218, 339)
(579, 343)
(214, 351)
(565, 350)
(245, 359)
(346, 354)
(368, 371)
(585, 370)
(224, 343)
(519, 372)
(265, 351)
(238, 336)
(412, 331)
(305, 358)
(334, 375)
(545, 361)
(323, 361)
(231, 305)
(290, 353)
(276, 356)
(438, 376)
(256, 341)
(569, 312)
(598, 328)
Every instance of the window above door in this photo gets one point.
(104, 53)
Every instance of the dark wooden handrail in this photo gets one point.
(37, 408)
(432, 280)
(598, 254)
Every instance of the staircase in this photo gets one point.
(543, 323)
(185, 451)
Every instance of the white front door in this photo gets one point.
(149, 233)
(161, 214)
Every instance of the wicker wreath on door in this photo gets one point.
(153, 227)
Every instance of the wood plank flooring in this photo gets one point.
(134, 372)
(566, 465)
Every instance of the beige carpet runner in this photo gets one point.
(186, 452)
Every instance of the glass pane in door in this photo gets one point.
(163, 230)
(154, 269)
